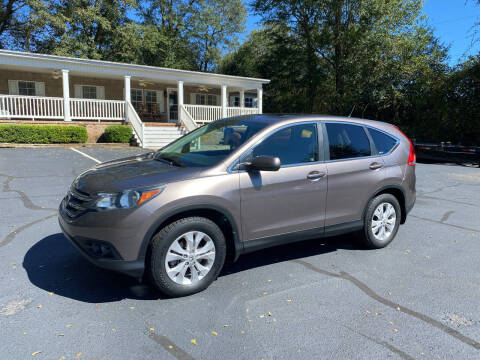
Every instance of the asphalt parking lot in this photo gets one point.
(320, 299)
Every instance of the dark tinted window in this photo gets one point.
(382, 141)
(347, 141)
(293, 145)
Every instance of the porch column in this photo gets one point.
(242, 98)
(127, 89)
(224, 101)
(180, 93)
(259, 99)
(66, 96)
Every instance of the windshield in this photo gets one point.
(212, 143)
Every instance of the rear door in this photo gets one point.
(290, 199)
(354, 172)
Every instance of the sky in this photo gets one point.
(452, 21)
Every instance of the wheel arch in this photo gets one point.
(219, 215)
(399, 194)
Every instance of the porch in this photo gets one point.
(46, 87)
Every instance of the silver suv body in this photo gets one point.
(239, 185)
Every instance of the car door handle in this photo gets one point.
(315, 175)
(375, 166)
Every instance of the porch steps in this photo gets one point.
(159, 136)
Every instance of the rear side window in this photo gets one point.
(383, 142)
(347, 141)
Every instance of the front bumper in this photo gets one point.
(111, 260)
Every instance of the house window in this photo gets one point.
(248, 102)
(212, 100)
(89, 92)
(26, 88)
(200, 99)
(151, 101)
(235, 101)
(136, 98)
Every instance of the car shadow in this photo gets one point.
(54, 265)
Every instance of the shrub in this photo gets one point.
(117, 134)
(42, 134)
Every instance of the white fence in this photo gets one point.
(237, 111)
(30, 107)
(88, 109)
(40, 107)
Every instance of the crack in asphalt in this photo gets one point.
(168, 345)
(9, 238)
(372, 294)
(443, 223)
(446, 216)
(385, 344)
(25, 199)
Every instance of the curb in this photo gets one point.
(98, 145)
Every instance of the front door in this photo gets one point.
(291, 199)
(172, 105)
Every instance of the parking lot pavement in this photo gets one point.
(326, 298)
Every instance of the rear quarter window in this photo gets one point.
(383, 142)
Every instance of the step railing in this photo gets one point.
(186, 119)
(30, 107)
(138, 127)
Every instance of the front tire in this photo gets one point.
(381, 221)
(186, 256)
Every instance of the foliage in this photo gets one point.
(117, 134)
(42, 134)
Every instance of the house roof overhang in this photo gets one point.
(49, 63)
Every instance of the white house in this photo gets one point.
(49, 87)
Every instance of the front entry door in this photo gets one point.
(172, 105)
(291, 199)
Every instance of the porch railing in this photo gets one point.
(237, 111)
(204, 113)
(90, 109)
(30, 107)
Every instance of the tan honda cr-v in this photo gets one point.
(238, 185)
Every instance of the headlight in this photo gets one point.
(126, 199)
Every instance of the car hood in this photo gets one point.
(134, 172)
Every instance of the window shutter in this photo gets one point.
(160, 99)
(193, 98)
(39, 88)
(13, 87)
(77, 91)
(101, 92)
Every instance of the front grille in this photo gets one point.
(76, 203)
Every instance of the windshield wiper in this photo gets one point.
(170, 160)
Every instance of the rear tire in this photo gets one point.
(381, 221)
(186, 256)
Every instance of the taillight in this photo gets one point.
(412, 159)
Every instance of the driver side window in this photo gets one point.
(295, 144)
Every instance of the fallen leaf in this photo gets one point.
(389, 293)
(289, 300)
(113, 330)
(61, 335)
(170, 346)
(193, 341)
(242, 332)
(265, 293)
(395, 330)
(225, 325)
(152, 329)
(214, 333)
(39, 306)
(69, 325)
(262, 316)
(269, 280)
(398, 308)
(132, 307)
(269, 313)
(79, 354)
(36, 353)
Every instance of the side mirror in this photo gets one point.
(263, 163)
